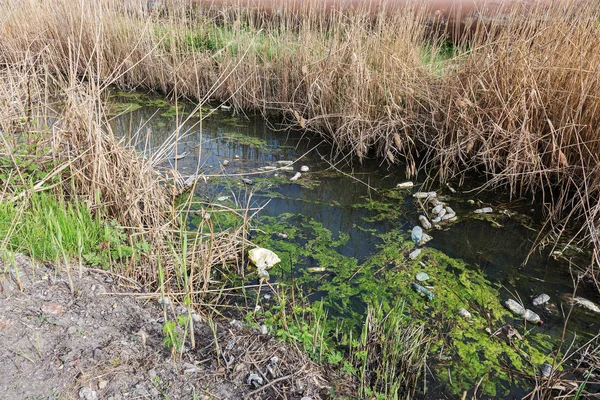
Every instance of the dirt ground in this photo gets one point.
(77, 335)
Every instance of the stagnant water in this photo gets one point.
(348, 220)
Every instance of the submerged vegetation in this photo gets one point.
(514, 101)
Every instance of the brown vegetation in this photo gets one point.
(517, 101)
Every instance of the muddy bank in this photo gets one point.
(71, 333)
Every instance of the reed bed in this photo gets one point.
(515, 99)
(55, 140)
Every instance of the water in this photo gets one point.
(343, 217)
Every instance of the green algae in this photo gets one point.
(464, 347)
(116, 108)
(244, 140)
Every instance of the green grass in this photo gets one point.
(49, 229)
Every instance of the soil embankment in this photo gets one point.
(88, 334)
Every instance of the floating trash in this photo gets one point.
(532, 317)
(285, 162)
(263, 274)
(247, 181)
(254, 380)
(438, 208)
(424, 222)
(422, 276)
(541, 299)
(263, 258)
(484, 210)
(515, 307)
(296, 176)
(423, 291)
(222, 198)
(546, 370)
(434, 202)
(518, 309)
(414, 254)
(316, 269)
(464, 313)
(416, 234)
(304, 168)
(405, 185)
(584, 303)
(225, 163)
(424, 195)
(424, 239)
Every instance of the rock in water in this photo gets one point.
(263, 258)
(405, 185)
(424, 222)
(541, 299)
(416, 234)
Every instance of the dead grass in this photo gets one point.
(517, 103)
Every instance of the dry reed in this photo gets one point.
(517, 102)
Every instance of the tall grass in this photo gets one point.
(516, 101)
